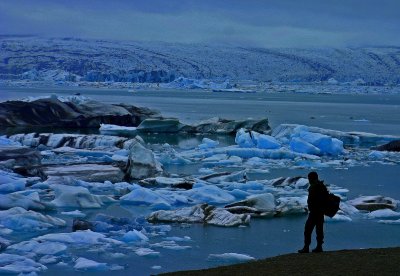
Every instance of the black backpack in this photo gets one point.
(331, 205)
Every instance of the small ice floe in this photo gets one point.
(145, 197)
(372, 203)
(79, 238)
(39, 248)
(178, 239)
(117, 130)
(396, 222)
(383, 214)
(156, 267)
(27, 201)
(19, 219)
(361, 120)
(210, 194)
(249, 139)
(255, 205)
(207, 143)
(11, 182)
(15, 264)
(172, 245)
(86, 172)
(339, 217)
(291, 205)
(90, 265)
(146, 252)
(230, 258)
(202, 213)
(75, 196)
(135, 236)
(74, 214)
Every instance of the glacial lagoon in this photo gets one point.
(263, 237)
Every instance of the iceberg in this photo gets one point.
(209, 194)
(383, 214)
(202, 213)
(15, 264)
(39, 248)
(230, 257)
(143, 196)
(134, 236)
(247, 139)
(75, 196)
(373, 203)
(19, 219)
(86, 237)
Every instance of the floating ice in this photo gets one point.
(299, 145)
(339, 217)
(230, 257)
(262, 203)
(134, 236)
(207, 143)
(75, 196)
(249, 139)
(143, 196)
(39, 248)
(80, 238)
(147, 252)
(4, 141)
(11, 182)
(372, 203)
(383, 213)
(210, 194)
(325, 143)
(172, 245)
(201, 214)
(86, 264)
(19, 219)
(15, 264)
(74, 214)
(117, 130)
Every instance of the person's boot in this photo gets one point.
(305, 249)
(318, 249)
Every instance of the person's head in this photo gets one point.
(313, 178)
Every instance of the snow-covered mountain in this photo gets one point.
(71, 59)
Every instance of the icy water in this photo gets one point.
(263, 237)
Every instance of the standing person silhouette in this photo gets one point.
(317, 194)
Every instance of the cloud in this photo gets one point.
(284, 23)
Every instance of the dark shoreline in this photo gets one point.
(373, 261)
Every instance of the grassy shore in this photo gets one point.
(380, 261)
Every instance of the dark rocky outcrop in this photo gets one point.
(23, 160)
(391, 146)
(84, 114)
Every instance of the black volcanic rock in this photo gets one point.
(53, 112)
(391, 146)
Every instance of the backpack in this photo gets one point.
(331, 205)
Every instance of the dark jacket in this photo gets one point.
(317, 195)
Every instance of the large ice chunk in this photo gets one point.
(19, 219)
(15, 264)
(77, 197)
(230, 257)
(147, 197)
(373, 203)
(203, 213)
(248, 139)
(210, 194)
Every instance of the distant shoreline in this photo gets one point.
(373, 261)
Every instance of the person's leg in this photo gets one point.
(319, 223)
(308, 228)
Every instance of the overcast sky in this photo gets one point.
(280, 23)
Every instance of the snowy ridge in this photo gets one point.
(98, 60)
